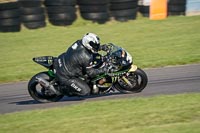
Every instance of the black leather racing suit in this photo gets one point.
(71, 67)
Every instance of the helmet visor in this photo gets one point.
(95, 46)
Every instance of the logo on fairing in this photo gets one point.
(75, 87)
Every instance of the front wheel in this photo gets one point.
(40, 93)
(134, 82)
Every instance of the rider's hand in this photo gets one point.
(104, 47)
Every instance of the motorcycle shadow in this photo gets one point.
(90, 97)
(71, 99)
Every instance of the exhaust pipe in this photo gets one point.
(46, 84)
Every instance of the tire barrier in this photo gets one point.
(96, 11)
(123, 10)
(10, 17)
(144, 10)
(144, 7)
(176, 7)
(32, 14)
(61, 12)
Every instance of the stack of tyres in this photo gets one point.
(124, 10)
(144, 10)
(10, 17)
(32, 14)
(176, 7)
(144, 6)
(94, 10)
(61, 12)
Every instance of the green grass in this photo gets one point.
(160, 114)
(152, 43)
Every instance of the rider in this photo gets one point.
(72, 66)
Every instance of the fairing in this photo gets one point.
(46, 61)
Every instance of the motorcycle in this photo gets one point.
(125, 77)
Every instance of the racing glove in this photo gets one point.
(104, 47)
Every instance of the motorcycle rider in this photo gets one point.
(72, 65)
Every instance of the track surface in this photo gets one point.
(168, 80)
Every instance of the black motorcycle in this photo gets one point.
(125, 78)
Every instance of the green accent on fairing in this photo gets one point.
(51, 73)
(99, 77)
(103, 75)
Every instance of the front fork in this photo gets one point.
(133, 69)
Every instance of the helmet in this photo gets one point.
(91, 42)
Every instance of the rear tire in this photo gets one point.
(138, 79)
(36, 91)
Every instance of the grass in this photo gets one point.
(160, 114)
(152, 43)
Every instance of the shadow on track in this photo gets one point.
(65, 99)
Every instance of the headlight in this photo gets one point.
(129, 58)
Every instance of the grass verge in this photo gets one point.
(160, 114)
(152, 43)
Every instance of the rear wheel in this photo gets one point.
(137, 82)
(40, 93)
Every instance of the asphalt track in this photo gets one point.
(14, 97)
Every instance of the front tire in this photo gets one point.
(138, 80)
(37, 92)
